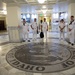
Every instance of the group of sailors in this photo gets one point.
(43, 26)
(71, 30)
(25, 29)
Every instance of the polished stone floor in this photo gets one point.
(53, 39)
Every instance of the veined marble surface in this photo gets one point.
(5, 47)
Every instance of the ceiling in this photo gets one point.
(30, 2)
(32, 5)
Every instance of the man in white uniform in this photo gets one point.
(25, 30)
(45, 27)
(71, 29)
(62, 28)
(40, 25)
(34, 27)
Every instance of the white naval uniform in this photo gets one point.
(62, 32)
(25, 31)
(71, 33)
(40, 25)
(34, 26)
(44, 28)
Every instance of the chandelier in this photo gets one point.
(41, 1)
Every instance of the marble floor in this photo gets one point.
(5, 47)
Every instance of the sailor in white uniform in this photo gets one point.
(34, 27)
(45, 27)
(40, 25)
(71, 29)
(62, 29)
(25, 30)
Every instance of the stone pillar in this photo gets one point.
(71, 10)
(13, 20)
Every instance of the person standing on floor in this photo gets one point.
(71, 29)
(34, 27)
(40, 25)
(41, 30)
(62, 29)
(45, 27)
(25, 30)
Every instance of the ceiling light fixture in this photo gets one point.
(45, 15)
(44, 11)
(41, 1)
(44, 7)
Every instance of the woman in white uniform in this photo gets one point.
(45, 27)
(34, 27)
(71, 29)
(62, 29)
(25, 30)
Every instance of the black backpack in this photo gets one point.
(41, 35)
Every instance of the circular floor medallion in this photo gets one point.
(42, 57)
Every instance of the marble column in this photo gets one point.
(13, 21)
(71, 10)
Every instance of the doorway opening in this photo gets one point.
(48, 19)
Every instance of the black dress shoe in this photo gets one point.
(28, 40)
(69, 42)
(23, 40)
(72, 44)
